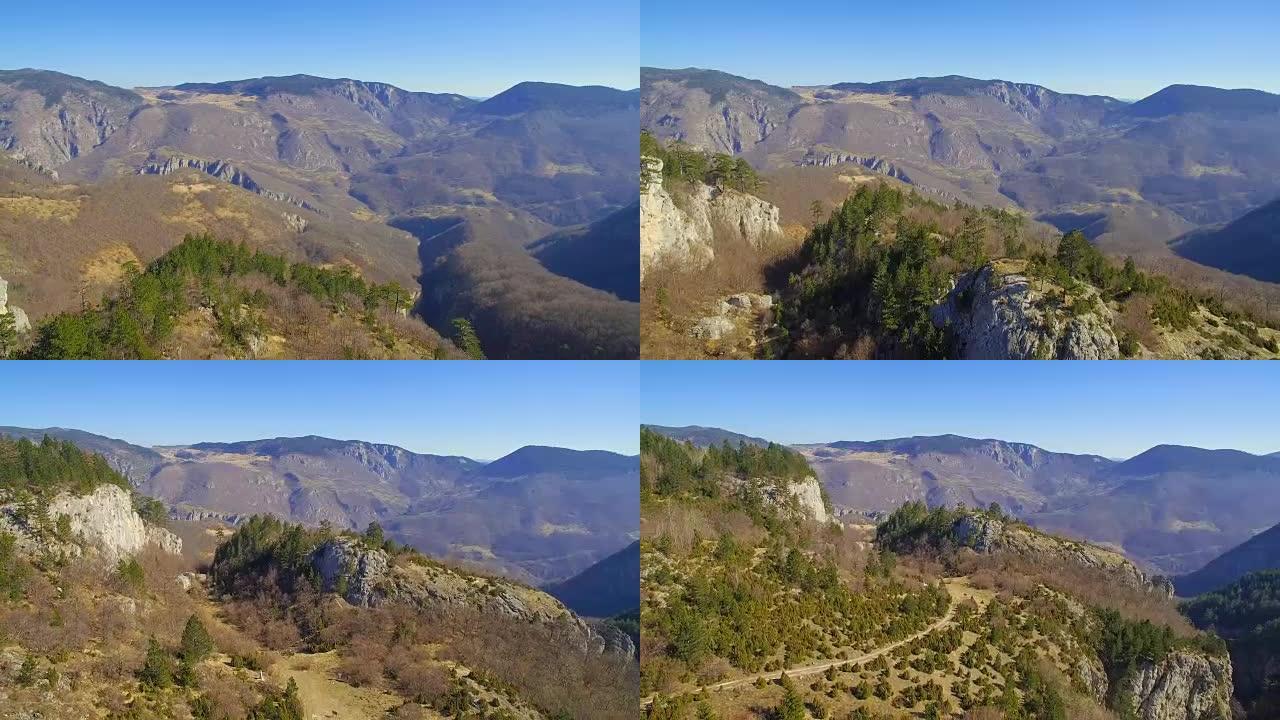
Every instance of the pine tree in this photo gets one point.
(196, 643)
(374, 536)
(791, 707)
(157, 669)
(467, 339)
(8, 335)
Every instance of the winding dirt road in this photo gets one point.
(806, 670)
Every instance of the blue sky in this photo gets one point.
(1123, 48)
(482, 410)
(1114, 409)
(478, 47)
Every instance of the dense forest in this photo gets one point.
(51, 466)
(238, 287)
(677, 470)
(870, 275)
(682, 163)
(1247, 614)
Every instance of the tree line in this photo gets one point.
(682, 162)
(143, 314)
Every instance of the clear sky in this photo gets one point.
(1113, 409)
(476, 47)
(482, 410)
(1123, 48)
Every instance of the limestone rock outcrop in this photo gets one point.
(102, 522)
(800, 496)
(735, 311)
(998, 316)
(683, 230)
(986, 534)
(368, 577)
(808, 493)
(226, 172)
(106, 520)
(1182, 686)
(20, 321)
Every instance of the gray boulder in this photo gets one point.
(997, 316)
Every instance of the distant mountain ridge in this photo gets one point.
(1247, 245)
(540, 514)
(610, 587)
(1260, 552)
(1132, 175)
(344, 172)
(1172, 508)
(704, 436)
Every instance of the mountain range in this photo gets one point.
(538, 514)
(1134, 176)
(1259, 553)
(336, 172)
(610, 587)
(1171, 508)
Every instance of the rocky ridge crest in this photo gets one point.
(368, 577)
(683, 230)
(987, 534)
(102, 522)
(999, 316)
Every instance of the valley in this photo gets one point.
(111, 609)
(539, 514)
(758, 602)
(992, 174)
(336, 173)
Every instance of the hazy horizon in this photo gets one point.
(1061, 407)
(1122, 50)
(477, 410)
(474, 49)
(1015, 80)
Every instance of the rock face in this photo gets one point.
(1182, 686)
(229, 173)
(615, 640)
(102, 522)
(48, 119)
(804, 496)
(986, 534)
(994, 316)
(20, 321)
(870, 162)
(350, 570)
(367, 577)
(684, 231)
(105, 519)
(809, 493)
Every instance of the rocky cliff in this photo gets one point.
(808, 493)
(1184, 685)
(995, 315)
(48, 119)
(229, 173)
(987, 534)
(681, 226)
(368, 577)
(102, 522)
(20, 321)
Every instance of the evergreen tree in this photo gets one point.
(8, 335)
(374, 537)
(157, 668)
(196, 643)
(467, 339)
(791, 707)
